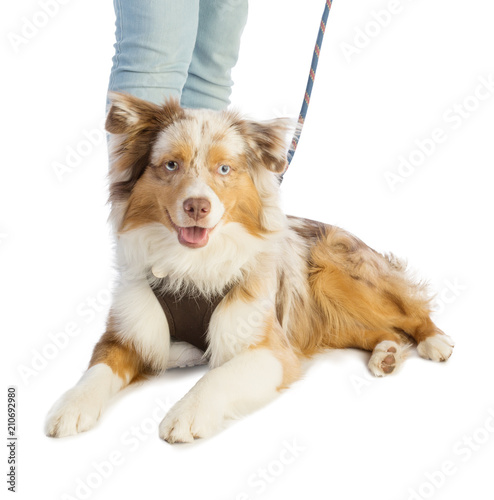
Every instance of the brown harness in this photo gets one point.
(188, 316)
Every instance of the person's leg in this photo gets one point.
(155, 40)
(209, 82)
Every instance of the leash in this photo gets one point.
(310, 84)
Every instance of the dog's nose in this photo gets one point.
(197, 208)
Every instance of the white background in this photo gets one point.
(354, 436)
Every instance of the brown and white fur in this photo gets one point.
(298, 287)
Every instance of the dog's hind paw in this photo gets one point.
(439, 347)
(386, 356)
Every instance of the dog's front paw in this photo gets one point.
(191, 418)
(439, 347)
(76, 411)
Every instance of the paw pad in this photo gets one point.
(386, 357)
(388, 363)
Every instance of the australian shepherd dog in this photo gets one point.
(195, 211)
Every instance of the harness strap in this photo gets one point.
(310, 84)
(188, 316)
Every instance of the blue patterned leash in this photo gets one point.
(310, 84)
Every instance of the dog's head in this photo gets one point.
(192, 171)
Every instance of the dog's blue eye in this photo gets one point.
(224, 170)
(171, 165)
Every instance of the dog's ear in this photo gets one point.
(267, 142)
(130, 115)
(134, 125)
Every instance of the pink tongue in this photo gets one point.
(194, 234)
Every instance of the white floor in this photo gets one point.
(424, 81)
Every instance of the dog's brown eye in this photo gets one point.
(224, 170)
(171, 165)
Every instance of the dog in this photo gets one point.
(195, 211)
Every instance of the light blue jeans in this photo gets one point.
(177, 48)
